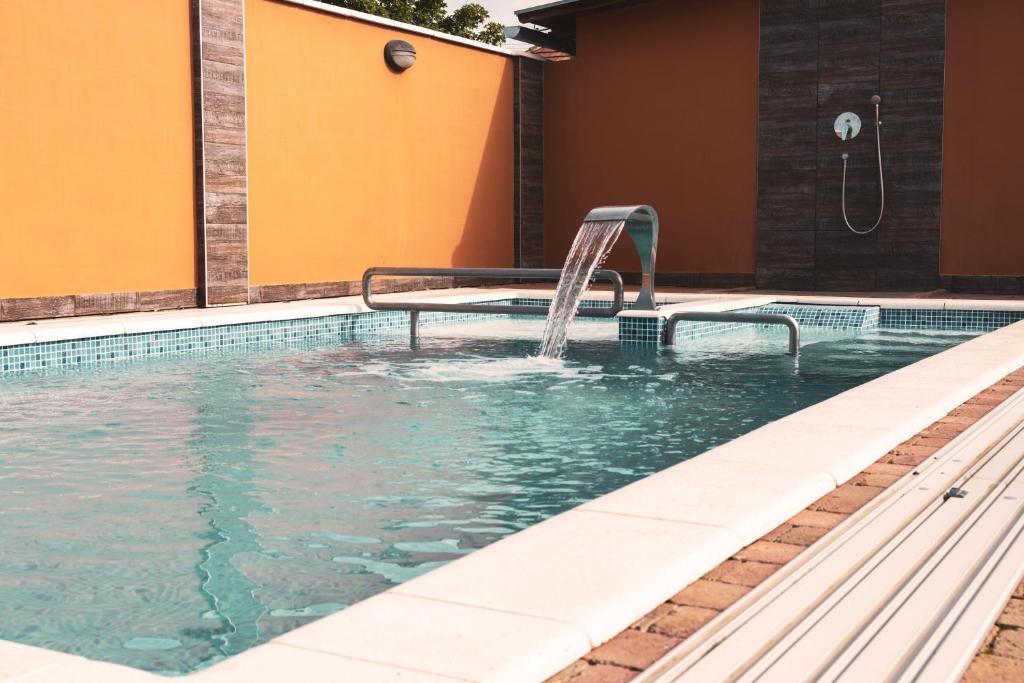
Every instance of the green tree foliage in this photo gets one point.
(468, 21)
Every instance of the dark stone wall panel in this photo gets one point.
(33, 308)
(529, 163)
(818, 59)
(787, 143)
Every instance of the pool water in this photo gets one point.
(167, 514)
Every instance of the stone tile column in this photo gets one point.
(529, 162)
(218, 65)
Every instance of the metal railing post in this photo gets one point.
(414, 324)
(734, 317)
(497, 273)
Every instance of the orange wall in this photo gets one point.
(983, 148)
(659, 107)
(96, 162)
(352, 166)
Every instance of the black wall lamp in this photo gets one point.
(399, 55)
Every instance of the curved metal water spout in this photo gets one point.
(642, 225)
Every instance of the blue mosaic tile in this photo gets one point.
(360, 326)
(965, 320)
(335, 328)
(834, 318)
(587, 304)
(641, 330)
(831, 317)
(651, 330)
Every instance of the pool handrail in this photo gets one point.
(669, 335)
(415, 307)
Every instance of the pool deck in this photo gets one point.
(642, 647)
(527, 607)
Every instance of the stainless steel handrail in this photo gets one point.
(734, 317)
(415, 307)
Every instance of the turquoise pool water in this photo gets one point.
(165, 514)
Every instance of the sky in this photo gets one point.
(501, 10)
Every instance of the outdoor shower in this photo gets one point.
(847, 126)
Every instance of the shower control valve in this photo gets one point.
(847, 126)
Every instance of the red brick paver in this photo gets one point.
(710, 594)
(986, 668)
(676, 621)
(1001, 657)
(633, 649)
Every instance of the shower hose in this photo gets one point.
(881, 181)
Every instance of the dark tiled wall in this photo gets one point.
(529, 163)
(36, 307)
(819, 58)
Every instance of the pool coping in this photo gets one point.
(65, 329)
(527, 606)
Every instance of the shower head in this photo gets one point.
(875, 99)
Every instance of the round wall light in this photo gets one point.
(399, 55)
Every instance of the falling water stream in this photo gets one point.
(589, 250)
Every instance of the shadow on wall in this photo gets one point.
(353, 166)
(488, 230)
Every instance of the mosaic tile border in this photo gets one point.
(947, 319)
(375, 324)
(831, 317)
(120, 347)
(335, 328)
(649, 330)
(589, 303)
(644, 330)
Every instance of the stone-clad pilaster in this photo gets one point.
(218, 57)
(529, 162)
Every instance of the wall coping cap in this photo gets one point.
(410, 28)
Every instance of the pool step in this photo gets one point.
(904, 590)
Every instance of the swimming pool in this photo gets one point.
(168, 513)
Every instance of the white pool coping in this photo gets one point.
(527, 606)
(65, 329)
(413, 29)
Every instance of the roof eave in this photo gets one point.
(563, 13)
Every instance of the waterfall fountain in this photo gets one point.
(593, 242)
(595, 239)
(590, 248)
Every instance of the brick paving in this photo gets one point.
(649, 638)
(1001, 657)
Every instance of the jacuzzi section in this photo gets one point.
(636, 327)
(649, 328)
